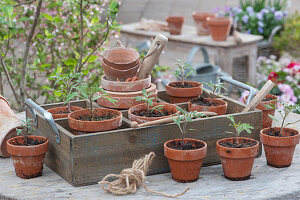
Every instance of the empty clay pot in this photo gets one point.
(94, 126)
(55, 111)
(200, 22)
(121, 58)
(140, 119)
(8, 124)
(116, 74)
(237, 163)
(180, 95)
(220, 109)
(28, 160)
(175, 24)
(267, 121)
(279, 150)
(185, 165)
(219, 27)
(117, 86)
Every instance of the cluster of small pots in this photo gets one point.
(206, 23)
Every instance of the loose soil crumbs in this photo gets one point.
(202, 102)
(97, 117)
(162, 113)
(30, 142)
(243, 143)
(275, 132)
(188, 145)
(184, 85)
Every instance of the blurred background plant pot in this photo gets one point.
(175, 24)
(200, 22)
(219, 27)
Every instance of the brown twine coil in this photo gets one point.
(130, 179)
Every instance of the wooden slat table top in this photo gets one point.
(189, 35)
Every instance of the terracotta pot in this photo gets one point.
(94, 126)
(220, 109)
(8, 124)
(140, 119)
(267, 121)
(237, 163)
(185, 165)
(28, 160)
(279, 150)
(116, 74)
(180, 95)
(55, 110)
(117, 86)
(175, 24)
(219, 27)
(200, 22)
(121, 58)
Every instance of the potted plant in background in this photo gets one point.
(211, 104)
(149, 110)
(183, 91)
(219, 27)
(94, 119)
(27, 151)
(185, 155)
(200, 22)
(237, 153)
(175, 24)
(68, 83)
(280, 142)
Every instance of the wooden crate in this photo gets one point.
(85, 159)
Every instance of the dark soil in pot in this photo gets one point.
(96, 117)
(161, 113)
(276, 132)
(184, 85)
(243, 143)
(188, 145)
(30, 142)
(203, 102)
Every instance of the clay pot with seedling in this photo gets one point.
(185, 155)
(94, 119)
(183, 91)
(149, 110)
(27, 151)
(280, 142)
(237, 153)
(68, 83)
(212, 103)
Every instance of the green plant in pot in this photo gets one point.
(280, 142)
(94, 119)
(150, 110)
(66, 86)
(237, 153)
(212, 103)
(27, 151)
(183, 91)
(185, 155)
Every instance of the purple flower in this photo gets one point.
(245, 19)
(261, 24)
(264, 11)
(260, 30)
(260, 15)
(278, 15)
(249, 31)
(284, 13)
(215, 10)
(250, 9)
(273, 9)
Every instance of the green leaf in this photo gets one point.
(272, 117)
(91, 59)
(47, 16)
(94, 20)
(7, 10)
(70, 62)
(57, 93)
(71, 96)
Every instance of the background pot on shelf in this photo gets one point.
(200, 22)
(219, 27)
(268, 100)
(175, 24)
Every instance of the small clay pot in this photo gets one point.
(55, 110)
(185, 165)
(175, 24)
(28, 160)
(181, 95)
(117, 86)
(200, 22)
(116, 74)
(220, 109)
(140, 119)
(237, 163)
(267, 121)
(94, 126)
(121, 58)
(219, 27)
(279, 150)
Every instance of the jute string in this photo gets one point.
(130, 179)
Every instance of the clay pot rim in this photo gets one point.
(198, 85)
(130, 94)
(202, 15)
(180, 150)
(175, 19)
(92, 122)
(218, 21)
(123, 82)
(154, 104)
(223, 103)
(132, 63)
(122, 70)
(2, 98)
(276, 137)
(63, 107)
(230, 138)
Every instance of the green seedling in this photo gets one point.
(215, 88)
(239, 127)
(182, 67)
(26, 129)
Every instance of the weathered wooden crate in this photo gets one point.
(85, 159)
